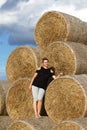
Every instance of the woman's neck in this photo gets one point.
(45, 67)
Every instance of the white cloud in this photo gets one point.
(2, 2)
(23, 18)
(25, 13)
(71, 9)
(82, 14)
(8, 18)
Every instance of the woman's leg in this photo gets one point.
(35, 107)
(39, 106)
(35, 98)
(40, 99)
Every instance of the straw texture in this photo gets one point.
(2, 100)
(4, 85)
(43, 123)
(69, 57)
(77, 124)
(66, 98)
(22, 63)
(19, 100)
(5, 121)
(58, 26)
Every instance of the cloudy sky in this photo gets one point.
(19, 17)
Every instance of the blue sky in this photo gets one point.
(19, 17)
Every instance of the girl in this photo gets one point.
(39, 84)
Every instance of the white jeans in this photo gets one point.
(38, 93)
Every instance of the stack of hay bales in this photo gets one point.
(15, 97)
(20, 68)
(64, 40)
(59, 37)
(63, 29)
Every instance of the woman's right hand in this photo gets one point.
(61, 73)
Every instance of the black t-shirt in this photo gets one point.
(42, 77)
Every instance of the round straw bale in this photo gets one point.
(4, 85)
(5, 121)
(19, 100)
(43, 123)
(66, 98)
(58, 26)
(22, 62)
(68, 57)
(77, 124)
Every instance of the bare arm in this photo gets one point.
(55, 77)
(30, 86)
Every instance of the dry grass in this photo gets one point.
(22, 62)
(19, 100)
(70, 125)
(43, 123)
(66, 98)
(2, 100)
(5, 121)
(57, 26)
(76, 124)
(4, 86)
(69, 57)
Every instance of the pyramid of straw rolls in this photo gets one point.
(68, 98)
(69, 57)
(22, 62)
(4, 86)
(58, 26)
(19, 100)
(43, 123)
(76, 124)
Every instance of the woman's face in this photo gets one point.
(45, 63)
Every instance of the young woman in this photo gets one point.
(39, 84)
